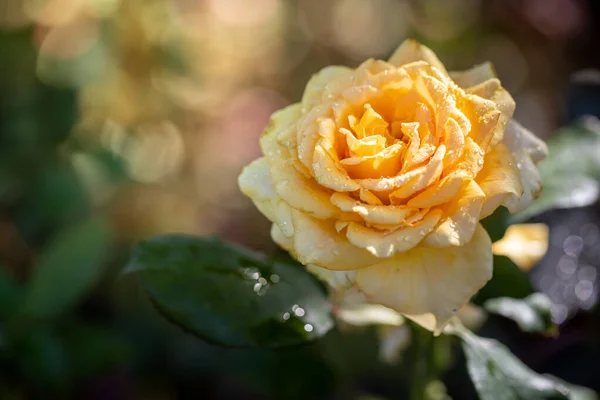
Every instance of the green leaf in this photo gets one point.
(571, 172)
(10, 294)
(508, 280)
(94, 349)
(496, 224)
(67, 268)
(532, 313)
(498, 375)
(41, 358)
(229, 295)
(577, 392)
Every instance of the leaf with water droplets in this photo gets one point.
(229, 295)
(498, 375)
(532, 313)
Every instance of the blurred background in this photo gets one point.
(122, 119)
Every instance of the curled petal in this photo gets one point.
(330, 174)
(369, 198)
(428, 280)
(500, 181)
(493, 90)
(385, 244)
(313, 94)
(318, 242)
(302, 193)
(527, 150)
(285, 242)
(432, 173)
(255, 182)
(390, 215)
(366, 146)
(485, 120)
(410, 51)
(474, 76)
(386, 163)
(460, 218)
(454, 139)
(438, 193)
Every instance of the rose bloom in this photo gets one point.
(378, 178)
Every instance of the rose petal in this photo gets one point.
(492, 90)
(438, 193)
(474, 76)
(386, 244)
(411, 50)
(460, 218)
(318, 242)
(392, 215)
(527, 149)
(454, 139)
(302, 193)
(366, 146)
(485, 120)
(432, 173)
(330, 173)
(500, 180)
(383, 164)
(313, 94)
(369, 198)
(255, 182)
(425, 280)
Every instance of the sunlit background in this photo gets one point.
(145, 111)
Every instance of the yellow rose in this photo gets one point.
(377, 180)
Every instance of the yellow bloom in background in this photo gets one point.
(524, 244)
(378, 178)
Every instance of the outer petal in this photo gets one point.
(411, 51)
(255, 182)
(318, 242)
(527, 150)
(430, 281)
(313, 94)
(460, 218)
(500, 180)
(474, 76)
(385, 244)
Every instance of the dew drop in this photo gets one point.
(299, 312)
(257, 287)
(285, 316)
(274, 278)
(308, 328)
(262, 281)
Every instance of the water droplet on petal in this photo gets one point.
(286, 316)
(299, 312)
(308, 328)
